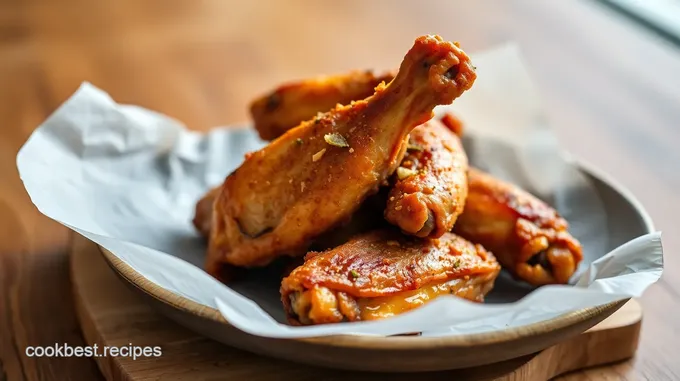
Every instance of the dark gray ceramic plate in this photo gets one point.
(627, 219)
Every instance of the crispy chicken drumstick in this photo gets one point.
(431, 183)
(317, 174)
(289, 104)
(429, 189)
(528, 237)
(383, 273)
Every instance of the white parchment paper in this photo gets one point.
(128, 178)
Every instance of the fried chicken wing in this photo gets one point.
(528, 237)
(317, 174)
(384, 273)
(431, 183)
(289, 104)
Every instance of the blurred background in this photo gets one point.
(608, 72)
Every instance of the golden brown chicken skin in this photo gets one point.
(528, 237)
(383, 273)
(289, 104)
(430, 184)
(368, 217)
(316, 175)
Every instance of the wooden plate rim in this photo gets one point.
(393, 343)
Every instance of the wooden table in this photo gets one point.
(612, 91)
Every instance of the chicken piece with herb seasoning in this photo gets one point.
(430, 186)
(286, 194)
(383, 273)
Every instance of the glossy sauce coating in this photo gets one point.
(472, 288)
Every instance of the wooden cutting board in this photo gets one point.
(111, 314)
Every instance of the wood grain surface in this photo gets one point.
(610, 89)
(105, 304)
